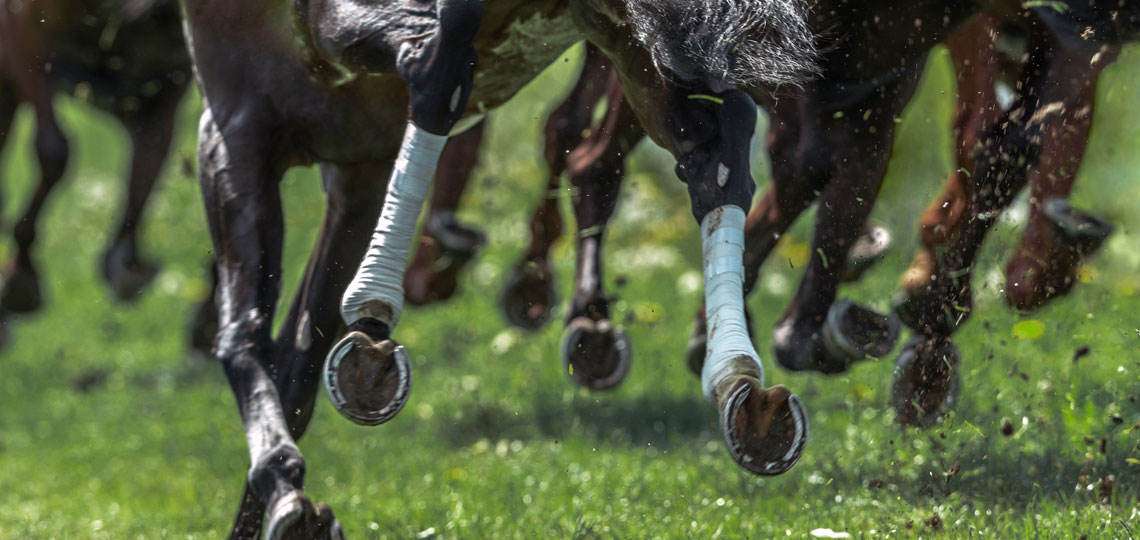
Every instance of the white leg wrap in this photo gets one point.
(377, 291)
(729, 349)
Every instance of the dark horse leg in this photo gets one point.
(973, 50)
(816, 332)
(21, 291)
(529, 294)
(926, 378)
(151, 130)
(595, 352)
(446, 245)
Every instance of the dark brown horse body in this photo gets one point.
(127, 57)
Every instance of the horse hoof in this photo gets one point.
(855, 332)
(1083, 232)
(126, 275)
(765, 429)
(596, 354)
(21, 292)
(867, 250)
(368, 381)
(926, 381)
(528, 297)
(456, 239)
(295, 517)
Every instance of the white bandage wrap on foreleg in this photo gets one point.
(722, 238)
(380, 277)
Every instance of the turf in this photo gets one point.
(107, 430)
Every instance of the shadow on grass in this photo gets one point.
(647, 419)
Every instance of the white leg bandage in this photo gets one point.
(377, 291)
(729, 350)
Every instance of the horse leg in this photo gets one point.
(313, 322)
(974, 53)
(446, 245)
(21, 291)
(529, 294)
(596, 353)
(243, 209)
(799, 154)
(926, 377)
(204, 325)
(151, 132)
(1056, 235)
(438, 71)
(816, 332)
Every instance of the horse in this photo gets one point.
(127, 57)
(329, 81)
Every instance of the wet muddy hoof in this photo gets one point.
(368, 381)
(21, 292)
(857, 333)
(765, 429)
(295, 517)
(126, 274)
(867, 250)
(528, 297)
(926, 381)
(1084, 233)
(596, 354)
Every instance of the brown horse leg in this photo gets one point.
(595, 352)
(151, 132)
(926, 377)
(972, 48)
(1045, 263)
(529, 296)
(21, 293)
(446, 245)
(243, 208)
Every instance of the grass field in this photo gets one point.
(106, 431)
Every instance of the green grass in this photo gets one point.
(497, 443)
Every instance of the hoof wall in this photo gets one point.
(765, 429)
(856, 332)
(596, 354)
(126, 275)
(367, 381)
(295, 517)
(926, 381)
(1083, 232)
(528, 297)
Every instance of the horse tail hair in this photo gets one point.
(735, 42)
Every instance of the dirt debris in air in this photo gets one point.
(1007, 427)
(90, 379)
(1081, 352)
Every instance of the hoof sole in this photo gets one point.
(765, 429)
(295, 517)
(596, 354)
(368, 382)
(926, 381)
